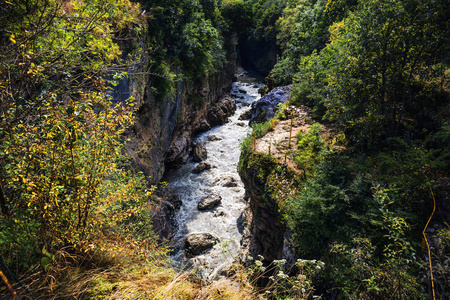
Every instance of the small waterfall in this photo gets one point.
(223, 221)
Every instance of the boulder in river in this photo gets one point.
(220, 213)
(227, 181)
(196, 243)
(209, 202)
(212, 138)
(201, 167)
(230, 182)
(199, 152)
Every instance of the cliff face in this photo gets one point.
(267, 182)
(162, 134)
(271, 176)
(200, 108)
(264, 227)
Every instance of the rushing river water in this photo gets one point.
(223, 221)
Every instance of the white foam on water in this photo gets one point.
(223, 221)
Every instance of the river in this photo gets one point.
(224, 221)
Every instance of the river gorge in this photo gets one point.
(220, 179)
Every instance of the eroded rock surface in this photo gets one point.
(269, 177)
(213, 138)
(181, 144)
(219, 113)
(201, 167)
(226, 181)
(196, 243)
(209, 202)
(199, 153)
(264, 109)
(164, 221)
(161, 137)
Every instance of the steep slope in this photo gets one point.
(162, 134)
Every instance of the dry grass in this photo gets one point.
(124, 273)
(183, 286)
(280, 142)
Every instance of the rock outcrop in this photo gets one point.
(265, 108)
(219, 113)
(201, 167)
(196, 243)
(193, 122)
(163, 219)
(199, 153)
(269, 178)
(264, 229)
(267, 183)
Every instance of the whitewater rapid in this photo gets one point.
(224, 221)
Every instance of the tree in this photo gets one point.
(388, 56)
(303, 28)
(186, 33)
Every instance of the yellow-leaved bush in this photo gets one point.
(63, 181)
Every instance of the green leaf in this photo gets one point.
(46, 262)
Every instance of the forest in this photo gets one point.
(367, 214)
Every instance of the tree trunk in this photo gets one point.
(3, 207)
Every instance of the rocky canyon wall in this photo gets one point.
(266, 183)
(165, 126)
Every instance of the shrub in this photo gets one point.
(311, 149)
(360, 271)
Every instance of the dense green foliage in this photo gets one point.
(381, 201)
(376, 73)
(382, 73)
(388, 83)
(189, 39)
(303, 29)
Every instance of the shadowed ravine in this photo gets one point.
(224, 220)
